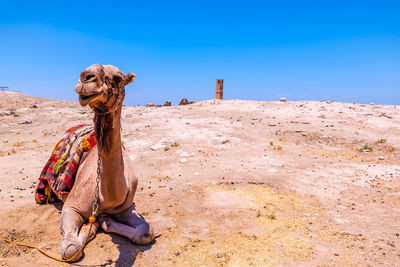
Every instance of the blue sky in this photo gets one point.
(302, 50)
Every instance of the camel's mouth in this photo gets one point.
(85, 99)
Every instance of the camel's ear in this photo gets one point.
(129, 78)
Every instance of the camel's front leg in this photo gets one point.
(71, 222)
(141, 234)
(83, 233)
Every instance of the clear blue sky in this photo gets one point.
(302, 50)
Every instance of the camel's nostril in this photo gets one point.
(84, 97)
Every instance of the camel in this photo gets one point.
(102, 87)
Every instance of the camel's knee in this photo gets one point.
(144, 234)
(106, 223)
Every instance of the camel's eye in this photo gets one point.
(117, 79)
(90, 77)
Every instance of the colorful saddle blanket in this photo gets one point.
(58, 175)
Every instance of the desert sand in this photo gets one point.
(224, 183)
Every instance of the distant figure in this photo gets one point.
(219, 90)
(183, 101)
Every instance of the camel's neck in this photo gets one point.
(113, 186)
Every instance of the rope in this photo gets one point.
(91, 221)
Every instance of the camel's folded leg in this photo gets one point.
(71, 222)
(142, 234)
(132, 218)
(83, 233)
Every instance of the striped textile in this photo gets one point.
(58, 175)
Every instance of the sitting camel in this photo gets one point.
(103, 89)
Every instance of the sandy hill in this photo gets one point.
(233, 183)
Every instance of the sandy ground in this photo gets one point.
(245, 183)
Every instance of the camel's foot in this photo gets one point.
(70, 245)
(143, 234)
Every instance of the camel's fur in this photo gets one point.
(98, 87)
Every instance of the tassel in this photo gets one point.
(47, 191)
(58, 164)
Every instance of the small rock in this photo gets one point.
(150, 105)
(167, 104)
(183, 160)
(34, 106)
(185, 154)
(304, 134)
(177, 253)
(391, 244)
(157, 147)
(45, 247)
(336, 254)
(283, 99)
(372, 104)
(381, 158)
(26, 122)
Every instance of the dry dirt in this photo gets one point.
(235, 183)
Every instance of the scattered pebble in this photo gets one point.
(183, 160)
(283, 99)
(391, 244)
(381, 158)
(157, 147)
(184, 154)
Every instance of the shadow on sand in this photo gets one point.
(127, 252)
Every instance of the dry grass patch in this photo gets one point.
(270, 230)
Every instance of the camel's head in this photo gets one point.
(101, 86)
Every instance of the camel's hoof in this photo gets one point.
(69, 247)
(145, 234)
